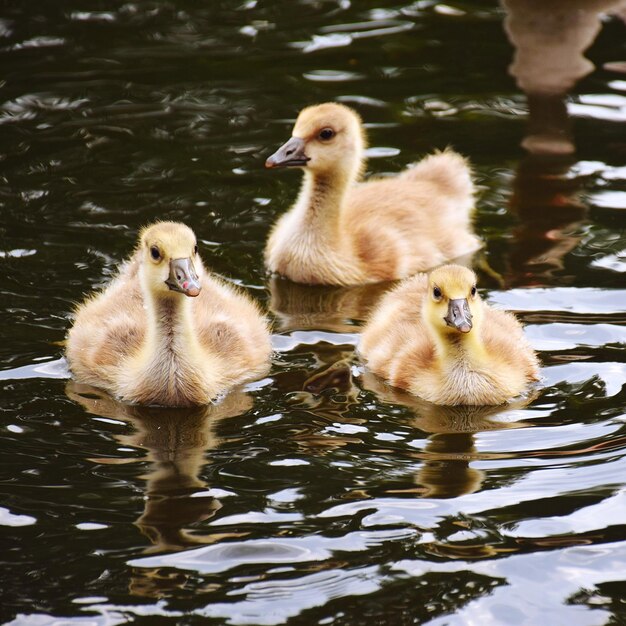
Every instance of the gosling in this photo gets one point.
(436, 338)
(165, 332)
(342, 231)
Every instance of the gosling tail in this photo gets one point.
(448, 170)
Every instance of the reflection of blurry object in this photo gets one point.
(323, 307)
(326, 392)
(342, 233)
(546, 199)
(548, 126)
(336, 376)
(329, 383)
(446, 472)
(177, 441)
(435, 337)
(550, 39)
(166, 331)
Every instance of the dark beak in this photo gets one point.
(183, 277)
(290, 154)
(459, 315)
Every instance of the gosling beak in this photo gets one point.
(183, 277)
(290, 154)
(459, 315)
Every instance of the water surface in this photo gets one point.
(317, 495)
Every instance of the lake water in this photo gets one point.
(316, 495)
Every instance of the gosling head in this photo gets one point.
(168, 251)
(452, 305)
(326, 137)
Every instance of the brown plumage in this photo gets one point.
(434, 337)
(165, 331)
(341, 231)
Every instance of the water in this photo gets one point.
(316, 495)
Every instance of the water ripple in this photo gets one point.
(231, 555)
(317, 494)
(275, 602)
(542, 586)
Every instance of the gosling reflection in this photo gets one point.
(321, 307)
(447, 470)
(336, 309)
(549, 60)
(176, 441)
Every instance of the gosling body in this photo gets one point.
(342, 231)
(434, 337)
(165, 331)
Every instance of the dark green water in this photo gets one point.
(315, 496)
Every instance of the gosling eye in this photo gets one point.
(155, 253)
(436, 293)
(195, 249)
(326, 133)
(473, 291)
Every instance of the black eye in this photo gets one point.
(155, 253)
(436, 293)
(326, 134)
(195, 249)
(473, 291)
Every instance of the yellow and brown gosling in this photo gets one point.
(436, 338)
(342, 231)
(166, 332)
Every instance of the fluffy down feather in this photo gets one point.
(341, 231)
(148, 344)
(484, 360)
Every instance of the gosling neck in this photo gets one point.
(169, 324)
(457, 347)
(322, 198)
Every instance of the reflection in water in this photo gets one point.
(547, 201)
(548, 61)
(301, 307)
(326, 392)
(298, 306)
(330, 374)
(447, 472)
(177, 441)
(124, 118)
